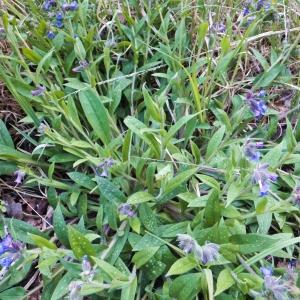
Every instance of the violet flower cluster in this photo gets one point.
(206, 254)
(263, 177)
(274, 287)
(257, 103)
(251, 6)
(105, 166)
(59, 16)
(251, 150)
(10, 251)
(126, 209)
(82, 66)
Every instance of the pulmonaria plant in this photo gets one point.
(82, 66)
(251, 150)
(126, 209)
(49, 4)
(274, 287)
(51, 35)
(256, 103)
(10, 251)
(105, 166)
(59, 23)
(19, 176)
(39, 91)
(296, 195)
(206, 254)
(70, 6)
(263, 177)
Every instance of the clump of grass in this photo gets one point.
(165, 136)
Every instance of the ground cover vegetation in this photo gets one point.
(159, 143)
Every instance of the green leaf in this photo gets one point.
(152, 107)
(215, 142)
(112, 271)
(172, 131)
(96, 114)
(60, 227)
(182, 265)
(186, 287)
(212, 212)
(178, 180)
(79, 243)
(128, 293)
(5, 138)
(210, 181)
(142, 257)
(109, 191)
(31, 55)
(140, 197)
(79, 49)
(42, 242)
(82, 180)
(16, 293)
(224, 281)
(62, 287)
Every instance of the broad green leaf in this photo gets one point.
(82, 180)
(62, 287)
(186, 287)
(152, 107)
(112, 271)
(5, 138)
(224, 281)
(182, 265)
(143, 256)
(215, 142)
(140, 197)
(210, 181)
(212, 212)
(79, 243)
(174, 128)
(42, 242)
(179, 179)
(110, 191)
(96, 114)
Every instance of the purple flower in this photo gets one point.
(9, 251)
(48, 4)
(296, 195)
(263, 178)
(275, 287)
(250, 20)
(266, 271)
(20, 176)
(59, 20)
(126, 209)
(82, 66)
(50, 35)
(219, 28)
(74, 288)
(251, 150)
(206, 254)
(245, 11)
(71, 7)
(210, 252)
(105, 166)
(263, 4)
(38, 91)
(186, 243)
(256, 104)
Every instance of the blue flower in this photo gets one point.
(71, 7)
(38, 91)
(50, 35)
(48, 4)
(251, 152)
(245, 11)
(256, 103)
(6, 262)
(206, 254)
(82, 66)
(9, 251)
(210, 252)
(219, 28)
(59, 20)
(186, 243)
(266, 271)
(263, 178)
(263, 4)
(20, 176)
(126, 209)
(296, 195)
